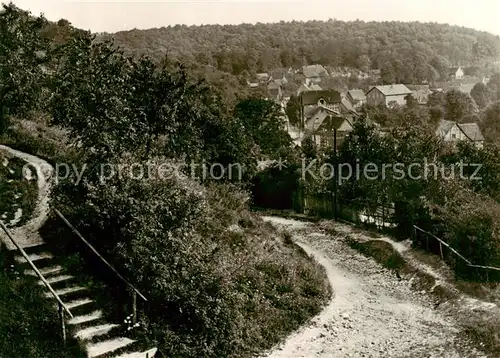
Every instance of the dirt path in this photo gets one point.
(372, 314)
(27, 235)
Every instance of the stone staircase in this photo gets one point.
(101, 339)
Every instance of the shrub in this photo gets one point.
(212, 292)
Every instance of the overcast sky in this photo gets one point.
(116, 15)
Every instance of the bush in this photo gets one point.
(48, 143)
(212, 291)
(470, 224)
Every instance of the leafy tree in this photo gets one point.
(442, 66)
(293, 110)
(437, 99)
(89, 93)
(23, 55)
(436, 113)
(487, 180)
(458, 105)
(411, 102)
(494, 87)
(469, 222)
(480, 94)
(364, 63)
(490, 123)
(266, 126)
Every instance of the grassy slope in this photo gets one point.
(480, 326)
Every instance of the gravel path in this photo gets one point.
(372, 313)
(28, 235)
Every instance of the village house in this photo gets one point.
(327, 128)
(322, 117)
(308, 85)
(385, 95)
(311, 100)
(452, 132)
(258, 80)
(263, 77)
(346, 106)
(456, 73)
(357, 97)
(315, 73)
(275, 91)
(420, 93)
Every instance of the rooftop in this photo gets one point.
(392, 90)
(314, 71)
(312, 97)
(357, 94)
(472, 131)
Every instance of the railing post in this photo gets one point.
(134, 307)
(63, 323)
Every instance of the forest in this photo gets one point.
(404, 52)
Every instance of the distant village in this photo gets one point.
(327, 115)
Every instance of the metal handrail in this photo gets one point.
(77, 233)
(39, 274)
(441, 242)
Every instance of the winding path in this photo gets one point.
(27, 235)
(372, 313)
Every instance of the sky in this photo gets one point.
(112, 16)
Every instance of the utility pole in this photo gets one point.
(335, 167)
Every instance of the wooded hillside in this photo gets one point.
(405, 52)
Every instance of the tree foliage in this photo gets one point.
(458, 105)
(293, 110)
(405, 52)
(23, 55)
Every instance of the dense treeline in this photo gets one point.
(404, 52)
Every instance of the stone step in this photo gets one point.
(66, 290)
(147, 354)
(85, 318)
(45, 270)
(56, 279)
(78, 303)
(34, 257)
(98, 349)
(94, 331)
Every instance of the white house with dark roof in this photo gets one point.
(456, 73)
(453, 132)
(384, 95)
